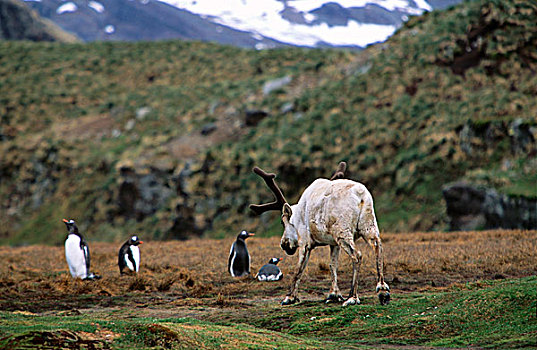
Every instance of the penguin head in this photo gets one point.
(275, 261)
(244, 234)
(71, 225)
(134, 240)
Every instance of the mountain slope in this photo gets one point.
(18, 22)
(253, 24)
(160, 138)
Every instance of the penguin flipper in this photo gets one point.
(232, 255)
(131, 259)
(85, 248)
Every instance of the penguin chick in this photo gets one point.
(129, 255)
(77, 253)
(270, 272)
(239, 258)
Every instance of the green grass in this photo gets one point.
(485, 314)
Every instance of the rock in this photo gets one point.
(141, 194)
(477, 138)
(130, 124)
(142, 112)
(276, 84)
(208, 129)
(287, 107)
(253, 117)
(522, 137)
(475, 207)
(184, 221)
(184, 224)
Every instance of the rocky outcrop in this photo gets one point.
(477, 138)
(472, 207)
(141, 194)
(19, 22)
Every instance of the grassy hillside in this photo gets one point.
(155, 137)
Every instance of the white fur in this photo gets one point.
(334, 213)
(75, 257)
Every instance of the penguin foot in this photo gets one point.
(289, 301)
(92, 277)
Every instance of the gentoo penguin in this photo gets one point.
(77, 253)
(129, 255)
(239, 259)
(270, 272)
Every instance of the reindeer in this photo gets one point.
(334, 212)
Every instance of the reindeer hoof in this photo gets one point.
(384, 298)
(334, 298)
(290, 301)
(352, 301)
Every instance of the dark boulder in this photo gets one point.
(141, 194)
(474, 207)
(253, 117)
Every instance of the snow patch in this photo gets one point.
(309, 17)
(66, 8)
(109, 29)
(264, 18)
(96, 6)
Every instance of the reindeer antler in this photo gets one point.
(280, 199)
(340, 172)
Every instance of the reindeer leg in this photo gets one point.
(303, 257)
(335, 294)
(383, 290)
(356, 257)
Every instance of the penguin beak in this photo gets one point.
(141, 242)
(64, 220)
(280, 259)
(251, 234)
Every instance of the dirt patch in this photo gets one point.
(60, 339)
(84, 127)
(188, 146)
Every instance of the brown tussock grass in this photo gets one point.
(181, 273)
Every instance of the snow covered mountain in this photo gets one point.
(245, 23)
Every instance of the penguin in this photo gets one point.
(129, 255)
(270, 272)
(77, 253)
(239, 259)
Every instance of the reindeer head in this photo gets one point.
(289, 242)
